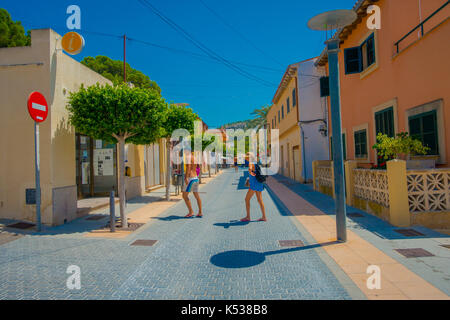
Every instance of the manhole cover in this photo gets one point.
(291, 243)
(98, 217)
(355, 215)
(21, 225)
(146, 243)
(409, 232)
(414, 253)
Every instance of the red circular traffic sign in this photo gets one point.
(37, 106)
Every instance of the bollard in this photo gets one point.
(112, 212)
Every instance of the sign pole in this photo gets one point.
(38, 178)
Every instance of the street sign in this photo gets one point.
(72, 43)
(38, 110)
(37, 106)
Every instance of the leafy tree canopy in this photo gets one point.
(12, 33)
(260, 117)
(107, 112)
(113, 70)
(179, 117)
(390, 147)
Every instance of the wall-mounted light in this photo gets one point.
(323, 130)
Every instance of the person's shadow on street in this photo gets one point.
(170, 218)
(232, 223)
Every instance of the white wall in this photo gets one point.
(311, 107)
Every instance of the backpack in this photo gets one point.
(259, 177)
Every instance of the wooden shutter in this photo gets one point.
(352, 57)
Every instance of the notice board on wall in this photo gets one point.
(104, 162)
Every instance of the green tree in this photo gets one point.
(178, 117)
(113, 70)
(206, 140)
(118, 114)
(390, 147)
(12, 33)
(259, 117)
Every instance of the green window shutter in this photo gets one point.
(324, 86)
(371, 50)
(360, 144)
(424, 128)
(384, 122)
(352, 58)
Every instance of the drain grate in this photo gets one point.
(409, 232)
(145, 243)
(414, 253)
(97, 217)
(21, 225)
(291, 243)
(355, 215)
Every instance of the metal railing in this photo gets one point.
(420, 25)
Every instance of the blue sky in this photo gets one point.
(218, 94)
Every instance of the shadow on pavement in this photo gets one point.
(171, 218)
(369, 222)
(245, 259)
(232, 223)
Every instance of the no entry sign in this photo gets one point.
(37, 106)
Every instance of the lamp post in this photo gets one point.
(324, 22)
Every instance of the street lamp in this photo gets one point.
(332, 20)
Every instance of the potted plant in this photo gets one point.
(400, 147)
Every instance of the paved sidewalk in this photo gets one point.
(371, 241)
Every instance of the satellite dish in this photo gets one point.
(332, 20)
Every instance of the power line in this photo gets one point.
(181, 51)
(202, 47)
(239, 33)
(198, 55)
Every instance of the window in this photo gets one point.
(358, 59)
(272, 124)
(278, 116)
(384, 122)
(324, 86)
(288, 105)
(360, 144)
(424, 128)
(294, 98)
(282, 111)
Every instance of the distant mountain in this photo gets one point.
(237, 125)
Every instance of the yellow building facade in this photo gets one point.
(283, 115)
(72, 166)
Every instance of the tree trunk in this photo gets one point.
(168, 169)
(122, 181)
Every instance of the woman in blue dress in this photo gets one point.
(256, 187)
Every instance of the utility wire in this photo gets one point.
(202, 47)
(239, 33)
(198, 55)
